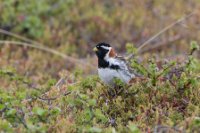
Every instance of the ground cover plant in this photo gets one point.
(167, 100)
(48, 72)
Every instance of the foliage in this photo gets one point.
(67, 25)
(165, 97)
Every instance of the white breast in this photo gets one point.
(107, 75)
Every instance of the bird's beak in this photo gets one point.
(95, 49)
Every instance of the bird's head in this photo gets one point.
(104, 50)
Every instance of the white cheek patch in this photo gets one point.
(107, 54)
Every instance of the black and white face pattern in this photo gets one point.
(110, 67)
(102, 50)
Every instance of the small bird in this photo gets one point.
(111, 66)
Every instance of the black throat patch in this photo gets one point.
(105, 64)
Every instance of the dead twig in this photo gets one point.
(161, 44)
(49, 50)
(161, 129)
(164, 30)
(54, 98)
(60, 82)
(19, 37)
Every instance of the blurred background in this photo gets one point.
(74, 27)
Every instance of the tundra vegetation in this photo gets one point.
(43, 90)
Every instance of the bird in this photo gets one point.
(111, 66)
